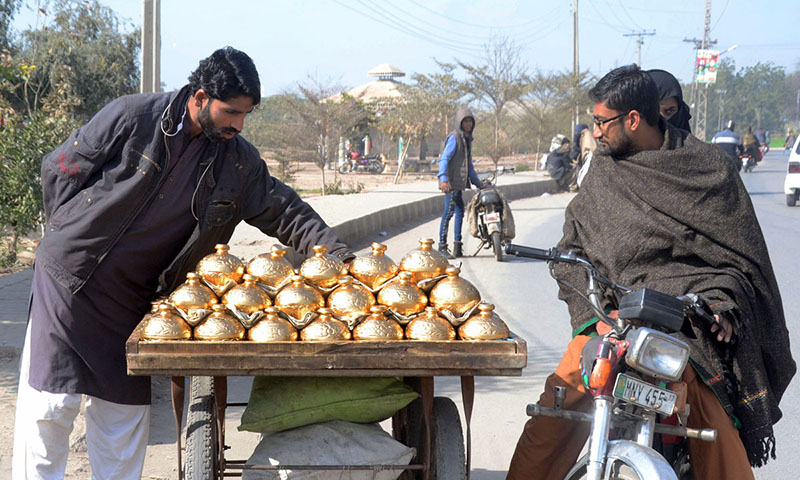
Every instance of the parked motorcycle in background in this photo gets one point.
(490, 219)
(355, 163)
(634, 375)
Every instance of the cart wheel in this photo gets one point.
(497, 246)
(202, 449)
(448, 458)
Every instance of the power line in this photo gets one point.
(639, 43)
(394, 26)
(455, 20)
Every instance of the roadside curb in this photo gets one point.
(354, 231)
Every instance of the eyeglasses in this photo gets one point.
(600, 123)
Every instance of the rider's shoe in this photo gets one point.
(445, 251)
(457, 249)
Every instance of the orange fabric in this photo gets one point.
(549, 447)
(725, 458)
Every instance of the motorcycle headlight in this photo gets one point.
(656, 353)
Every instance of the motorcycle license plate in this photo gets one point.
(633, 390)
(492, 217)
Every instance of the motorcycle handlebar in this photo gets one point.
(550, 255)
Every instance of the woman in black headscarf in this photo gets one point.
(673, 108)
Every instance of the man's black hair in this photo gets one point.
(628, 88)
(225, 74)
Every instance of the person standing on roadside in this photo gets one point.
(132, 201)
(456, 173)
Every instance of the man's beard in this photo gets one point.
(209, 129)
(621, 150)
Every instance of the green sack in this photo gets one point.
(280, 403)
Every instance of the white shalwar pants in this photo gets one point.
(116, 434)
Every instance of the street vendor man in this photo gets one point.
(664, 210)
(132, 201)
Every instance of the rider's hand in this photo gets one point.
(444, 186)
(725, 327)
(602, 327)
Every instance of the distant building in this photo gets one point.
(385, 87)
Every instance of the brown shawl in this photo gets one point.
(679, 220)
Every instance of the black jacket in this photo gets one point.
(98, 181)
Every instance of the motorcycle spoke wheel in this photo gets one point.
(497, 246)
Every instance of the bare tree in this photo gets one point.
(425, 104)
(318, 118)
(499, 80)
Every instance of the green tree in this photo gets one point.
(52, 78)
(83, 45)
(755, 96)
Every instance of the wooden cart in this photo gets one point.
(429, 424)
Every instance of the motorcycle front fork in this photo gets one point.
(601, 427)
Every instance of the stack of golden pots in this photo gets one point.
(454, 294)
(325, 328)
(374, 270)
(322, 270)
(424, 263)
(350, 301)
(193, 298)
(219, 326)
(430, 326)
(272, 328)
(423, 298)
(378, 327)
(403, 296)
(166, 324)
(221, 270)
(299, 299)
(271, 269)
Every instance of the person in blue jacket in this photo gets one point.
(456, 173)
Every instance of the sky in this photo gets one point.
(336, 42)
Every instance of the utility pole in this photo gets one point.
(639, 43)
(701, 93)
(575, 68)
(151, 46)
(721, 97)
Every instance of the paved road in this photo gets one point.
(525, 296)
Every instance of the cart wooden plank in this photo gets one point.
(347, 358)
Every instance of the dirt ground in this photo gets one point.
(161, 451)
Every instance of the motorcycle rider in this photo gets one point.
(751, 145)
(456, 173)
(636, 220)
(730, 142)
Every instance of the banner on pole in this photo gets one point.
(707, 66)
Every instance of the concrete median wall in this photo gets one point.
(354, 231)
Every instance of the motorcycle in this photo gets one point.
(487, 212)
(356, 163)
(634, 375)
(748, 162)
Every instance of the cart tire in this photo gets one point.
(448, 457)
(202, 450)
(791, 199)
(497, 246)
